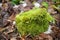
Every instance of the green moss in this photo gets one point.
(33, 22)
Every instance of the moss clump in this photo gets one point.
(33, 22)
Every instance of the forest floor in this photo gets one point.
(8, 31)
